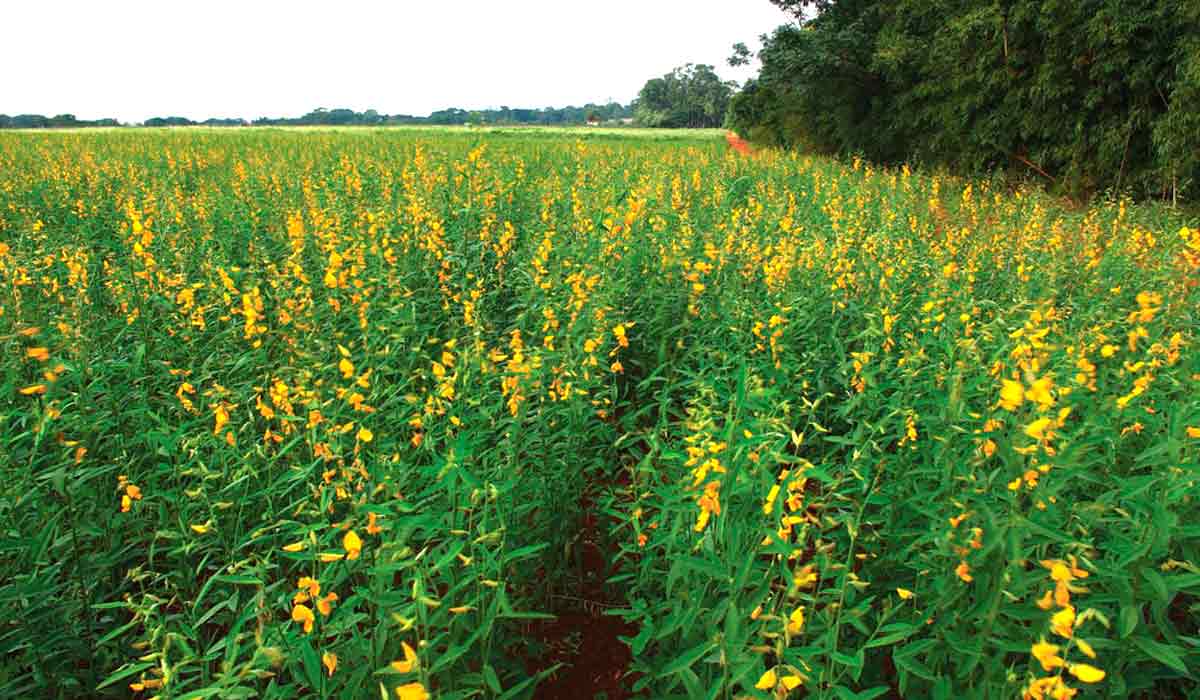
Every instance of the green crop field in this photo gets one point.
(370, 413)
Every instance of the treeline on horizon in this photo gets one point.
(609, 112)
(1087, 96)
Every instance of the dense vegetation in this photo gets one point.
(1086, 96)
(691, 96)
(314, 414)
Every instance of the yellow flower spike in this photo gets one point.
(412, 691)
(410, 663)
(1086, 673)
(352, 544)
(330, 661)
(767, 681)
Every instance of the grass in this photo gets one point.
(320, 412)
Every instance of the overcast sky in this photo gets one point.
(133, 60)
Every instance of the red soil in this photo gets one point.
(738, 143)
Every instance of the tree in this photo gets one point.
(1087, 96)
(690, 96)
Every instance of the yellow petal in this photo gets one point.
(767, 681)
(410, 661)
(294, 547)
(412, 691)
(791, 682)
(201, 529)
(904, 593)
(329, 660)
(1086, 673)
(365, 435)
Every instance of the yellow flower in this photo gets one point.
(329, 660)
(303, 615)
(294, 547)
(790, 682)
(346, 367)
(365, 435)
(1012, 395)
(39, 353)
(964, 572)
(33, 389)
(904, 593)
(769, 504)
(1039, 392)
(1039, 429)
(767, 681)
(325, 605)
(220, 418)
(412, 691)
(202, 529)
(796, 621)
(1086, 673)
(352, 544)
(1047, 655)
(1193, 432)
(1063, 622)
(410, 662)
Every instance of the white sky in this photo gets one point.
(132, 59)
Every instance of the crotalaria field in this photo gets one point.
(322, 413)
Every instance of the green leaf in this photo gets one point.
(1163, 653)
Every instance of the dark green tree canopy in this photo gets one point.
(1086, 95)
(689, 96)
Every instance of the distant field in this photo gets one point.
(507, 411)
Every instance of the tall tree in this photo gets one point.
(690, 96)
(1086, 95)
